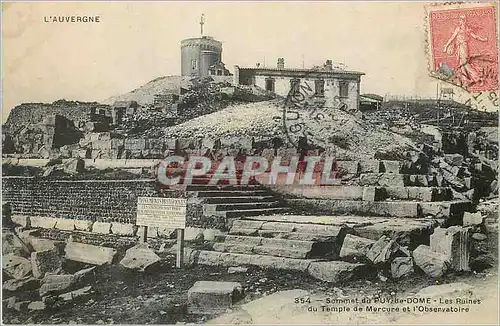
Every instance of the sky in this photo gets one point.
(137, 42)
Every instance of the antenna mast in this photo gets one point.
(202, 22)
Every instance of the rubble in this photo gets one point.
(47, 261)
(354, 246)
(382, 250)
(15, 266)
(401, 267)
(432, 263)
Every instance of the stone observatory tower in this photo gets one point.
(199, 54)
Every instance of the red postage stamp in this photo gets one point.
(462, 45)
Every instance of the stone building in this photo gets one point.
(332, 85)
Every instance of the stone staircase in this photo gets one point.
(235, 201)
(379, 198)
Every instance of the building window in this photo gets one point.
(219, 72)
(343, 88)
(270, 84)
(194, 64)
(319, 87)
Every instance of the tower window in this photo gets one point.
(194, 64)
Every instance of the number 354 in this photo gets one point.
(303, 300)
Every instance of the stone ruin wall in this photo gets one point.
(104, 201)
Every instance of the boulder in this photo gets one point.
(90, 254)
(432, 263)
(401, 267)
(47, 261)
(24, 284)
(472, 219)
(45, 244)
(12, 244)
(208, 297)
(36, 305)
(57, 284)
(15, 266)
(335, 271)
(140, 257)
(355, 247)
(479, 236)
(382, 250)
(482, 262)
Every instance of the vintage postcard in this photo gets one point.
(250, 162)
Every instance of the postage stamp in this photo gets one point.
(462, 45)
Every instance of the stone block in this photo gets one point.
(382, 179)
(65, 224)
(432, 263)
(335, 271)
(39, 244)
(55, 284)
(13, 244)
(48, 261)
(123, 229)
(472, 219)
(382, 250)
(369, 166)
(101, 227)
(75, 294)
(278, 226)
(453, 242)
(237, 269)
(348, 167)
(390, 166)
(16, 266)
(355, 247)
(397, 192)
(208, 297)
(401, 267)
(247, 224)
(36, 305)
(83, 225)
(140, 257)
(43, 222)
(373, 193)
(89, 254)
(25, 284)
(454, 159)
(242, 240)
(22, 220)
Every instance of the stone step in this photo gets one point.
(231, 193)
(399, 180)
(204, 187)
(251, 212)
(292, 231)
(238, 199)
(414, 209)
(409, 232)
(419, 193)
(329, 271)
(262, 250)
(239, 206)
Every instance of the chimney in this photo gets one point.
(281, 63)
(328, 65)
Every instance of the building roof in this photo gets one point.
(321, 70)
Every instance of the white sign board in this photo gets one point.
(161, 212)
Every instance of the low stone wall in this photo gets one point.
(92, 205)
